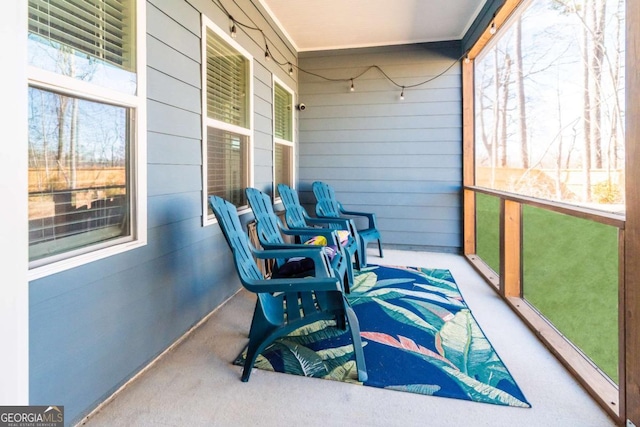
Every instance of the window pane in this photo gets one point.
(78, 173)
(92, 41)
(488, 230)
(283, 113)
(570, 274)
(283, 166)
(550, 104)
(227, 160)
(227, 82)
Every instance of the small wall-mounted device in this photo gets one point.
(302, 107)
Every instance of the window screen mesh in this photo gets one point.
(227, 160)
(283, 165)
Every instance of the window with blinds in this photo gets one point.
(283, 113)
(283, 136)
(226, 74)
(89, 40)
(227, 80)
(83, 139)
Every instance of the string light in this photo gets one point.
(466, 59)
(234, 30)
(492, 28)
(268, 56)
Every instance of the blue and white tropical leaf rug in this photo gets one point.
(418, 334)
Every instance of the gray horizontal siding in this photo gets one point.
(384, 161)
(435, 121)
(168, 90)
(369, 81)
(263, 108)
(179, 12)
(170, 208)
(387, 57)
(380, 135)
(403, 109)
(171, 120)
(385, 148)
(163, 27)
(401, 159)
(172, 62)
(169, 179)
(409, 239)
(364, 175)
(389, 96)
(262, 124)
(171, 149)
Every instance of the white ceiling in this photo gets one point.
(340, 24)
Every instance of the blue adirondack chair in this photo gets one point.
(327, 205)
(285, 304)
(271, 230)
(297, 218)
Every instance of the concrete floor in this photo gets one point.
(195, 384)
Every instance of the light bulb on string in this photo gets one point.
(352, 87)
(492, 27)
(402, 94)
(290, 69)
(267, 57)
(466, 59)
(234, 30)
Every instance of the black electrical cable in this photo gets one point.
(269, 55)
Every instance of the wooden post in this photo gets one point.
(630, 309)
(622, 371)
(468, 162)
(510, 248)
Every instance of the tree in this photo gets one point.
(596, 53)
(587, 117)
(520, 96)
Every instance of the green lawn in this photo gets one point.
(570, 275)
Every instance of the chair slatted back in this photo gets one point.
(238, 241)
(328, 206)
(295, 214)
(326, 203)
(268, 223)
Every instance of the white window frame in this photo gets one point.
(281, 141)
(207, 24)
(42, 79)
